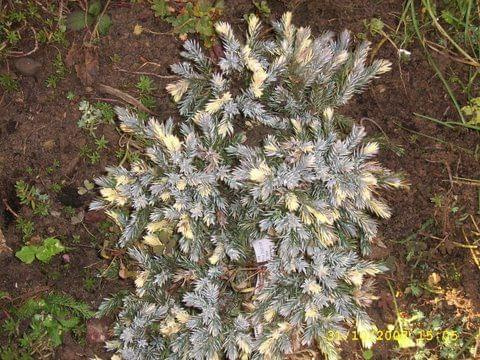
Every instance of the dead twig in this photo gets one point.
(9, 209)
(147, 73)
(31, 294)
(18, 54)
(125, 97)
(449, 53)
(472, 250)
(95, 29)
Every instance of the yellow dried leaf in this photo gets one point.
(137, 29)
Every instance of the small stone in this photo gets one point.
(66, 258)
(27, 66)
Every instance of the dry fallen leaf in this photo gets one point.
(73, 55)
(3, 244)
(433, 279)
(138, 29)
(97, 331)
(124, 273)
(94, 216)
(87, 69)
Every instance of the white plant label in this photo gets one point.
(263, 252)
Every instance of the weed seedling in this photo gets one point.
(90, 283)
(69, 210)
(56, 187)
(87, 186)
(146, 87)
(95, 115)
(48, 318)
(191, 17)
(31, 196)
(263, 8)
(59, 72)
(27, 227)
(101, 143)
(8, 84)
(70, 95)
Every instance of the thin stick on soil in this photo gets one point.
(31, 294)
(147, 73)
(17, 54)
(95, 29)
(434, 138)
(8, 208)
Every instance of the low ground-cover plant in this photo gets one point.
(38, 326)
(24, 19)
(31, 196)
(250, 251)
(190, 17)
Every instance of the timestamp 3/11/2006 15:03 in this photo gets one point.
(394, 335)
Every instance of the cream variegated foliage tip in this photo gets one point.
(281, 74)
(177, 89)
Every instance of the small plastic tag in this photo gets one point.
(263, 250)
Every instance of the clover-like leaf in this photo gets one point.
(104, 24)
(51, 247)
(95, 8)
(27, 254)
(78, 20)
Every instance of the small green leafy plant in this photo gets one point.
(94, 115)
(48, 319)
(59, 72)
(190, 17)
(8, 83)
(27, 227)
(50, 247)
(472, 111)
(146, 87)
(31, 196)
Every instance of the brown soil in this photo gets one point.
(32, 119)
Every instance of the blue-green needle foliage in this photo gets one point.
(250, 251)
